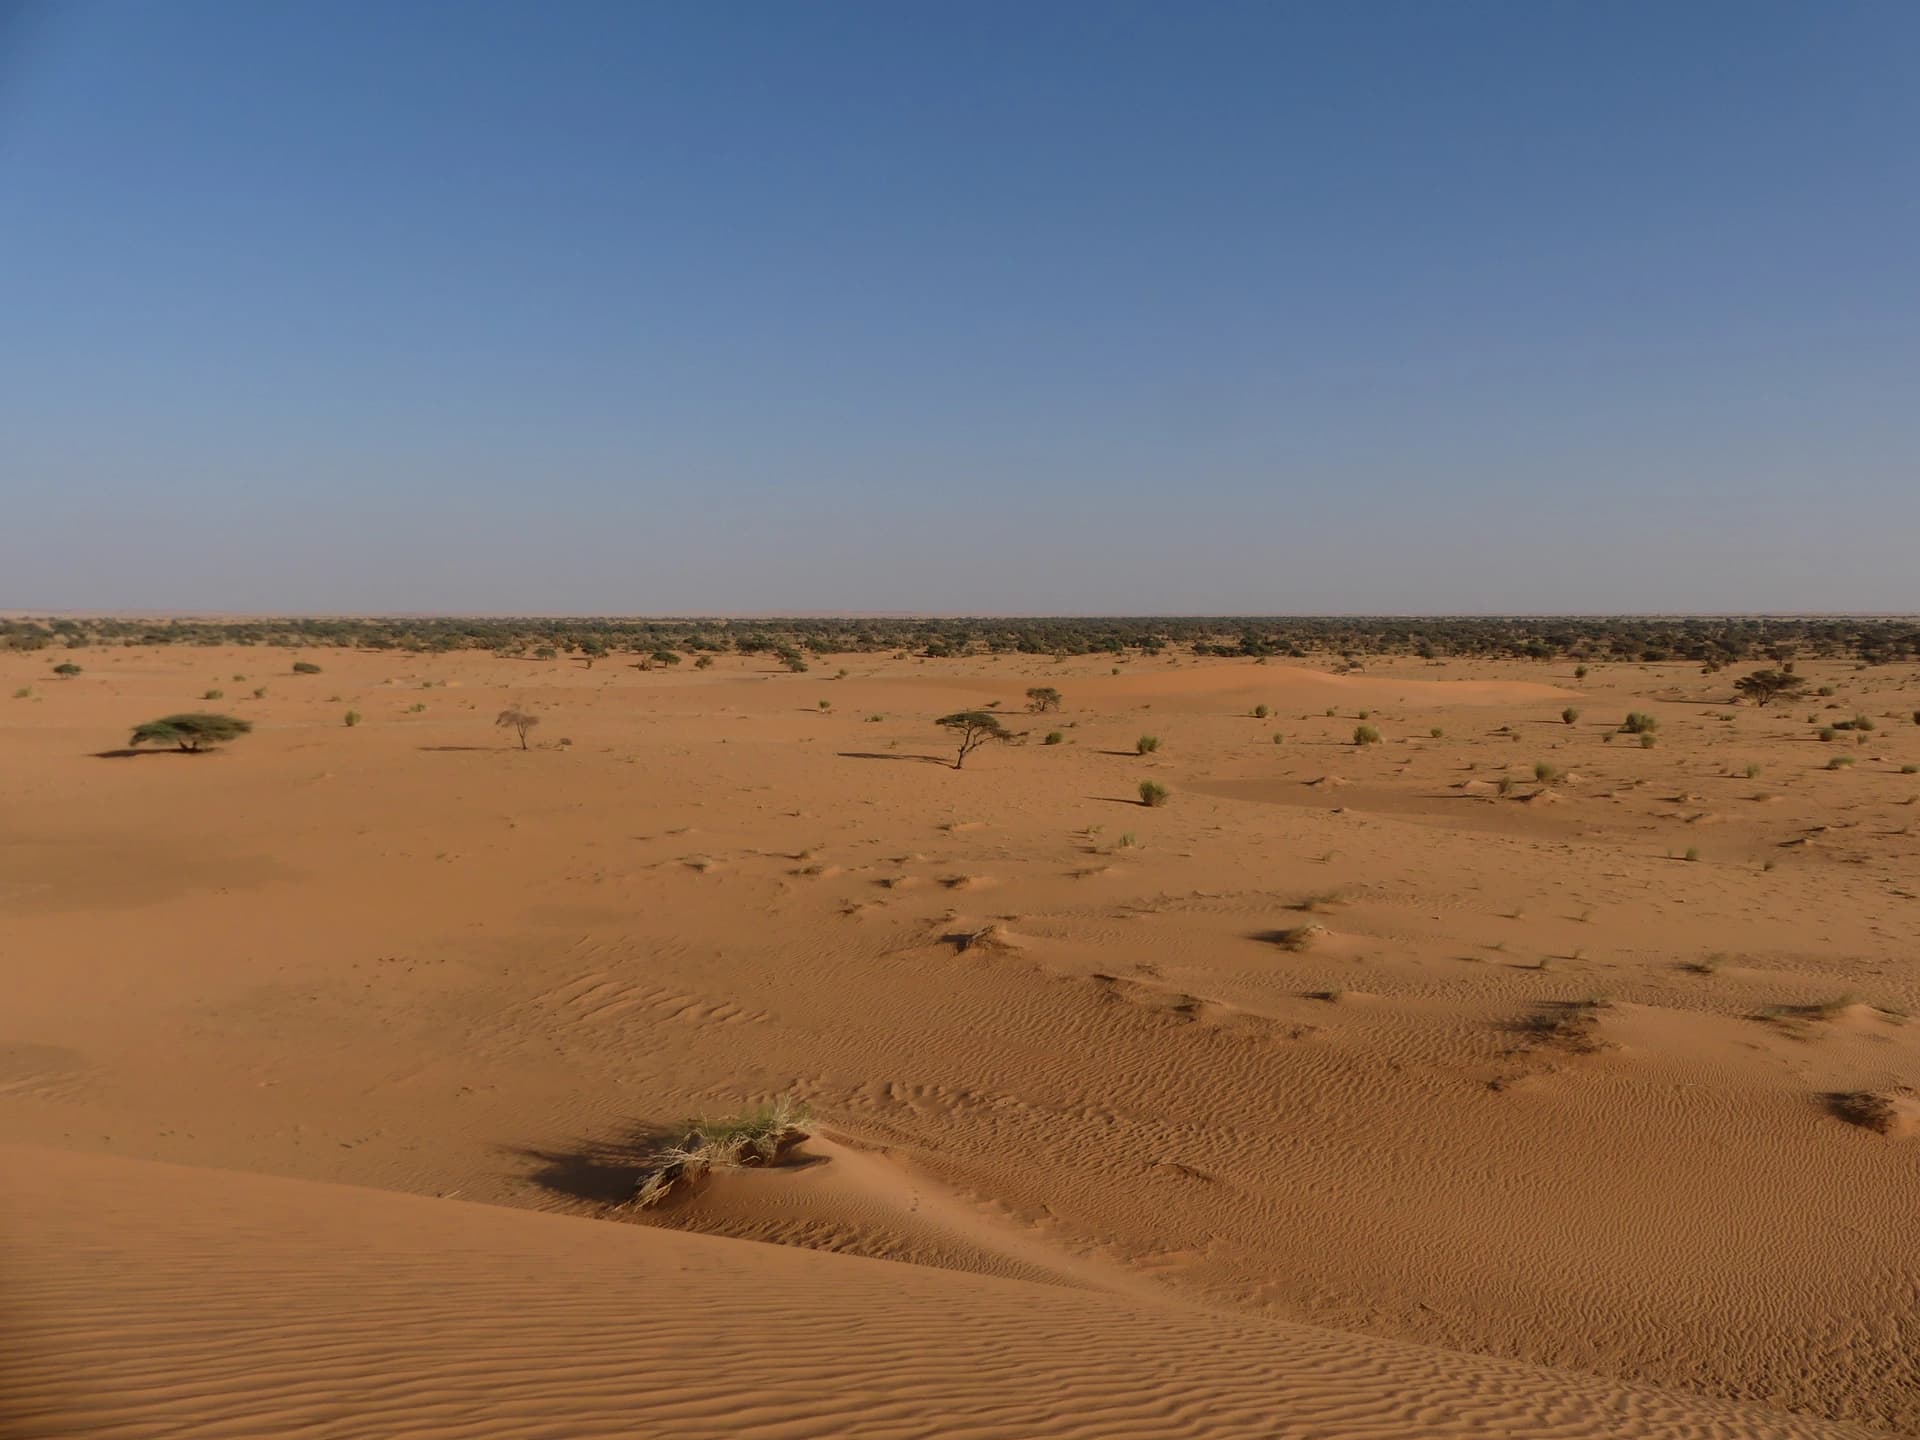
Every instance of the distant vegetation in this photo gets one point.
(1710, 642)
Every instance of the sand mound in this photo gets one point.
(1894, 1112)
(157, 1299)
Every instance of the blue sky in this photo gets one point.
(1034, 307)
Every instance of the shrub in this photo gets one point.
(66, 670)
(1753, 771)
(1042, 698)
(1646, 740)
(1146, 744)
(1910, 769)
(664, 656)
(545, 652)
(1827, 734)
(1365, 735)
(1569, 715)
(191, 732)
(705, 662)
(1153, 794)
(1693, 853)
(1546, 774)
(25, 692)
(305, 667)
(1260, 712)
(416, 707)
(1839, 762)
(1638, 722)
(517, 720)
(1278, 738)
(826, 704)
(1437, 733)
(214, 695)
(1579, 672)
(975, 728)
(259, 692)
(352, 718)
(1054, 737)
(1824, 690)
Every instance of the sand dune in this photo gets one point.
(159, 1299)
(1400, 1063)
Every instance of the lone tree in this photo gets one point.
(191, 733)
(1763, 687)
(975, 727)
(1042, 698)
(518, 721)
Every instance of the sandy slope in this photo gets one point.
(159, 1300)
(406, 956)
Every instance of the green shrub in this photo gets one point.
(305, 667)
(1910, 769)
(1693, 853)
(1646, 740)
(353, 718)
(1146, 744)
(1042, 698)
(1260, 712)
(1546, 774)
(66, 670)
(25, 692)
(1437, 733)
(1365, 735)
(1840, 762)
(1153, 794)
(1638, 722)
(214, 695)
(1054, 737)
(1278, 738)
(705, 662)
(1827, 734)
(1579, 672)
(1569, 715)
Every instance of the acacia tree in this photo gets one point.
(1763, 687)
(518, 721)
(975, 728)
(191, 732)
(1042, 698)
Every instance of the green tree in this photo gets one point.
(975, 728)
(1763, 687)
(191, 732)
(1042, 698)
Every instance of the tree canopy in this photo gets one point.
(191, 732)
(975, 728)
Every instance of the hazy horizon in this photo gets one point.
(498, 309)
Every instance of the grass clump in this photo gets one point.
(1569, 715)
(1548, 774)
(1153, 794)
(305, 667)
(1260, 712)
(1638, 722)
(1054, 737)
(1365, 735)
(1146, 744)
(353, 718)
(214, 695)
(753, 1137)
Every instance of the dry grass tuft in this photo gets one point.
(754, 1137)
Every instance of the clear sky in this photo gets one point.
(989, 307)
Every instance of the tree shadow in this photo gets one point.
(885, 755)
(128, 754)
(457, 749)
(1119, 800)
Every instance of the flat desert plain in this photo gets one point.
(1504, 1077)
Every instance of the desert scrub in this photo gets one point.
(754, 1137)
(305, 667)
(1569, 715)
(1638, 722)
(352, 718)
(1054, 737)
(1146, 744)
(1365, 735)
(1153, 794)
(1547, 774)
(214, 695)
(1260, 712)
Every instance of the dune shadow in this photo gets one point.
(601, 1172)
(883, 755)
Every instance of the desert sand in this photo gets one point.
(1372, 1090)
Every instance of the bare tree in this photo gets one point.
(975, 728)
(518, 721)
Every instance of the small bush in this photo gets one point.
(352, 718)
(1054, 737)
(1569, 715)
(416, 708)
(1910, 769)
(214, 695)
(1753, 771)
(25, 692)
(1825, 690)
(1260, 712)
(259, 692)
(1437, 733)
(1042, 698)
(1840, 762)
(1546, 774)
(1647, 741)
(1365, 735)
(1693, 853)
(1827, 734)
(826, 704)
(66, 670)
(705, 662)
(305, 667)
(1153, 794)
(1579, 672)
(1278, 738)
(1638, 722)
(1146, 744)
